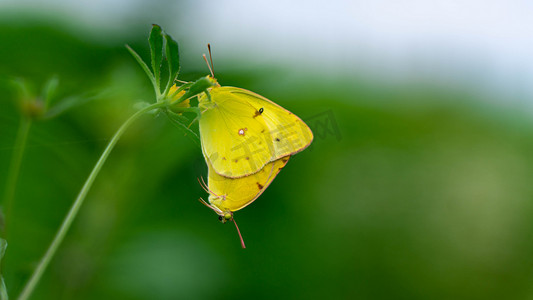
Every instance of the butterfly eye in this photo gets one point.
(220, 218)
(261, 110)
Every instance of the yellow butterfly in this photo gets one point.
(227, 195)
(246, 141)
(242, 131)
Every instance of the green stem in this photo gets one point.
(14, 169)
(45, 260)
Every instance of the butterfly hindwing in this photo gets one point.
(232, 194)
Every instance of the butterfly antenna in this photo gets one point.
(211, 59)
(191, 123)
(209, 191)
(202, 184)
(212, 207)
(205, 203)
(210, 69)
(205, 185)
(239, 232)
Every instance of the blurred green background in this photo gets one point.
(411, 189)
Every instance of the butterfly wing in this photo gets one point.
(287, 133)
(232, 194)
(241, 131)
(231, 139)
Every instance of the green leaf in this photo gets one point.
(199, 86)
(140, 105)
(179, 122)
(49, 91)
(3, 289)
(29, 106)
(21, 86)
(69, 102)
(156, 49)
(145, 68)
(173, 60)
(64, 105)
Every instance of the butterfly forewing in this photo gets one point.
(242, 131)
(287, 134)
(233, 141)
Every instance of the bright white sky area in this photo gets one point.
(485, 44)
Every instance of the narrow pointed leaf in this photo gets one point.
(143, 66)
(156, 49)
(199, 86)
(49, 91)
(70, 102)
(179, 122)
(173, 60)
(3, 289)
(21, 86)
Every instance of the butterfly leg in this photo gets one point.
(179, 121)
(198, 113)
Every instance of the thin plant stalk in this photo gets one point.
(60, 235)
(14, 170)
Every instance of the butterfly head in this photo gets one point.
(213, 81)
(223, 217)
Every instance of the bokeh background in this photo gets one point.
(417, 186)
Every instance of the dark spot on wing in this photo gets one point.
(223, 158)
(284, 160)
(247, 158)
(262, 131)
(277, 139)
(259, 186)
(258, 112)
(236, 160)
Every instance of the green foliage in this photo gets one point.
(145, 68)
(198, 87)
(3, 288)
(155, 41)
(156, 49)
(45, 106)
(180, 122)
(49, 91)
(156, 45)
(173, 59)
